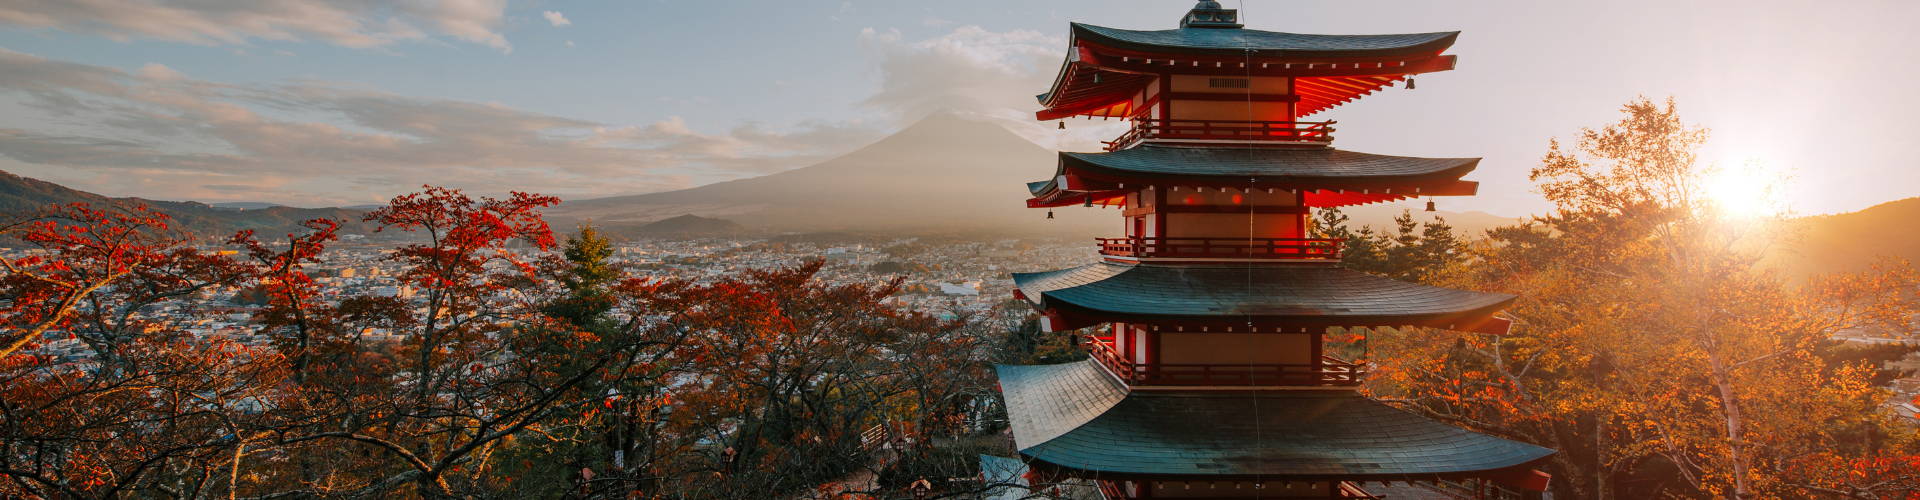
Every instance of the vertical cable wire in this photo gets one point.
(1259, 442)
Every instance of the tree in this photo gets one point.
(120, 403)
(1649, 348)
(290, 292)
(473, 371)
(1414, 251)
(83, 250)
(586, 278)
(515, 372)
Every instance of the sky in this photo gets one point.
(353, 101)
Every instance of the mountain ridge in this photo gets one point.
(690, 226)
(945, 171)
(25, 195)
(946, 174)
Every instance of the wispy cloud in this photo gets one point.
(158, 131)
(351, 23)
(971, 70)
(556, 19)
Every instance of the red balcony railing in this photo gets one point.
(1225, 248)
(1329, 371)
(1224, 130)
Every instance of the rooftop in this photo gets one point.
(1316, 295)
(1105, 67)
(1075, 416)
(1258, 43)
(1327, 176)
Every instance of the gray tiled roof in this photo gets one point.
(1270, 164)
(1272, 292)
(1272, 434)
(1265, 43)
(1055, 399)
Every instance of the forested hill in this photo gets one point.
(23, 195)
(688, 226)
(1851, 241)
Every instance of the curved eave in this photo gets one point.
(1105, 67)
(1084, 88)
(1292, 168)
(1053, 193)
(1327, 176)
(1076, 418)
(1294, 296)
(1265, 44)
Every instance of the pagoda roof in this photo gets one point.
(1303, 295)
(1105, 67)
(1346, 177)
(1076, 416)
(1266, 44)
(1269, 165)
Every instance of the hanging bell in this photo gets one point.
(1096, 78)
(1409, 83)
(1089, 202)
(1430, 206)
(1049, 215)
(1063, 124)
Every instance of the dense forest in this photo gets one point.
(1649, 347)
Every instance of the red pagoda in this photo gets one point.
(1209, 377)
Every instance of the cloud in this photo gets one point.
(556, 18)
(157, 71)
(350, 23)
(158, 131)
(974, 71)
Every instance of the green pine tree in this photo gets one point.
(587, 300)
(1413, 251)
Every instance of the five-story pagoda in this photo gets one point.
(1208, 377)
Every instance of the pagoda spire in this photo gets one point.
(1209, 14)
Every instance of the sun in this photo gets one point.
(1750, 190)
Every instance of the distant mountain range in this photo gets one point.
(945, 175)
(1851, 241)
(244, 205)
(21, 195)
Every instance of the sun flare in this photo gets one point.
(1750, 190)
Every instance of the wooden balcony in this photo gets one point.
(1329, 371)
(1312, 249)
(1279, 133)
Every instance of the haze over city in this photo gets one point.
(334, 105)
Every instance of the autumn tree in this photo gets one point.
(1649, 348)
(82, 250)
(98, 399)
(290, 292)
(512, 372)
